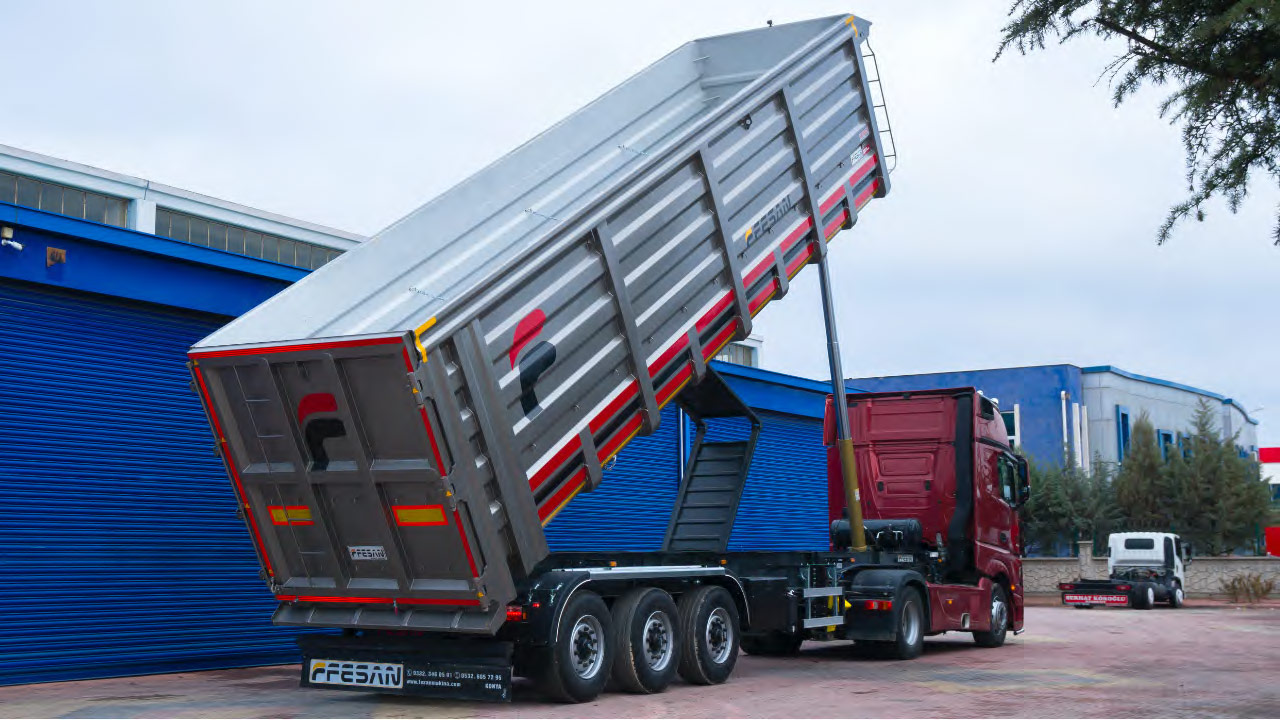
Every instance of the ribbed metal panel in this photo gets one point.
(631, 508)
(120, 549)
(784, 505)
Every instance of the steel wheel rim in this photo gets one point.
(910, 623)
(1177, 596)
(658, 645)
(585, 647)
(999, 614)
(719, 635)
(1151, 597)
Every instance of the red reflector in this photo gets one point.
(1124, 587)
(878, 604)
(515, 613)
(1066, 586)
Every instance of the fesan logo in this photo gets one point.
(318, 419)
(538, 358)
(766, 222)
(364, 674)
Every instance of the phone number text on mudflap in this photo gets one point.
(454, 675)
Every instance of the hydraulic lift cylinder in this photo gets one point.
(844, 437)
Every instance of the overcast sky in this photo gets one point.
(1020, 228)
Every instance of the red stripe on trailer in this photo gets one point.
(554, 503)
(862, 171)
(799, 260)
(673, 385)
(763, 296)
(835, 225)
(544, 472)
(377, 600)
(864, 197)
(462, 533)
(670, 353)
(709, 316)
(758, 270)
(426, 422)
(196, 354)
(831, 201)
(620, 437)
(720, 340)
(796, 234)
(604, 416)
(235, 475)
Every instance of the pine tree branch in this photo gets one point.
(1165, 52)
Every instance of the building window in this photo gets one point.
(1122, 431)
(740, 354)
(242, 241)
(1012, 424)
(1165, 439)
(63, 200)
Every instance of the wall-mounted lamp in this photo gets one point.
(6, 238)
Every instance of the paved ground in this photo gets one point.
(1207, 661)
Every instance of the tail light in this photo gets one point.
(516, 613)
(878, 604)
(1124, 587)
(1066, 586)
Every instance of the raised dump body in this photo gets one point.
(401, 424)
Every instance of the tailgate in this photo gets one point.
(341, 474)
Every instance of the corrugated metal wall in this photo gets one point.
(784, 506)
(120, 550)
(631, 508)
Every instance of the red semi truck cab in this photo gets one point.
(941, 458)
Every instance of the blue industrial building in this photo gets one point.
(1056, 413)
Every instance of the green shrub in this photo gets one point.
(1249, 588)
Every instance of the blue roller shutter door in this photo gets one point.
(784, 505)
(121, 549)
(631, 508)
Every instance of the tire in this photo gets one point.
(772, 644)
(999, 620)
(575, 668)
(710, 634)
(1176, 597)
(909, 616)
(646, 640)
(1145, 599)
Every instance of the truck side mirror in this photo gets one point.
(1024, 481)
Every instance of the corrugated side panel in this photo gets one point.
(784, 506)
(631, 508)
(119, 542)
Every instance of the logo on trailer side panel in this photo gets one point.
(534, 363)
(317, 417)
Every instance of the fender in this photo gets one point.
(880, 584)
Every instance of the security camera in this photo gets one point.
(11, 243)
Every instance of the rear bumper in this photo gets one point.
(455, 668)
(479, 621)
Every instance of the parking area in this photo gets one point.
(1206, 660)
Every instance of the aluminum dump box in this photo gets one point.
(401, 424)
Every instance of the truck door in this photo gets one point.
(996, 489)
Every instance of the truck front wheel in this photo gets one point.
(576, 666)
(709, 635)
(1176, 596)
(999, 620)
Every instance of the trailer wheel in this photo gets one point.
(709, 635)
(646, 640)
(1176, 596)
(999, 620)
(908, 608)
(576, 666)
